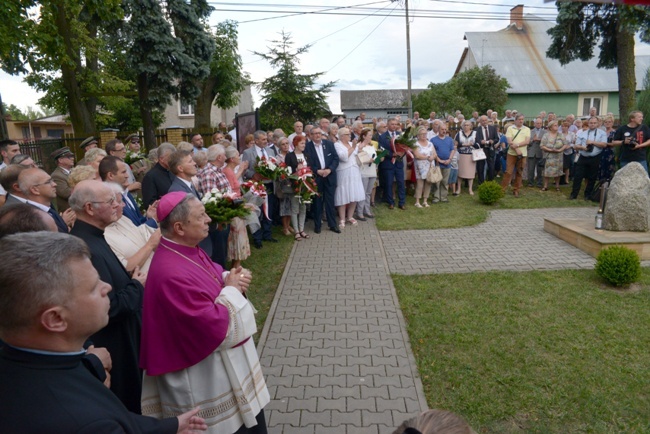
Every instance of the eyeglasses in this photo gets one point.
(110, 202)
(119, 150)
(49, 181)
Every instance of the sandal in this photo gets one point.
(286, 232)
(557, 188)
(342, 224)
(303, 234)
(297, 237)
(417, 205)
(352, 221)
(544, 189)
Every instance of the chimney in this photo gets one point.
(517, 16)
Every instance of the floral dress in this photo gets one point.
(554, 160)
(422, 166)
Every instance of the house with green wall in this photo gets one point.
(518, 53)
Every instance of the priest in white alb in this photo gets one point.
(197, 348)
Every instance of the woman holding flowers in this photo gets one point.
(297, 160)
(425, 156)
(284, 198)
(368, 174)
(349, 189)
(239, 247)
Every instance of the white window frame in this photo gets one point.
(591, 96)
(190, 107)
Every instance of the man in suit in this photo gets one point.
(9, 183)
(88, 144)
(488, 138)
(64, 159)
(323, 160)
(392, 168)
(39, 189)
(258, 150)
(182, 165)
(112, 169)
(157, 181)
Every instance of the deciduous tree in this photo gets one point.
(582, 26)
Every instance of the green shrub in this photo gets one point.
(490, 192)
(618, 265)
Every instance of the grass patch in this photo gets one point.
(267, 265)
(466, 210)
(540, 352)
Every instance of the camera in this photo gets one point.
(590, 148)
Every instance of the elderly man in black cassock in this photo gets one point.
(96, 207)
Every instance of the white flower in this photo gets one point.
(214, 190)
(218, 195)
(272, 166)
(289, 169)
(205, 199)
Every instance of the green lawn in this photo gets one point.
(540, 352)
(466, 210)
(267, 265)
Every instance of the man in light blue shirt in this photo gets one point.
(589, 144)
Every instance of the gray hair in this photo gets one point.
(165, 148)
(215, 151)
(29, 263)
(357, 124)
(153, 154)
(257, 134)
(92, 155)
(83, 193)
(180, 213)
(184, 146)
(381, 124)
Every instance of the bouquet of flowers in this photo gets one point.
(305, 185)
(222, 206)
(252, 188)
(132, 157)
(267, 167)
(254, 193)
(407, 139)
(381, 153)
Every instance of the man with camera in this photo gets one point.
(633, 137)
(589, 144)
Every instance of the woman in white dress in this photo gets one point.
(466, 142)
(349, 188)
(425, 155)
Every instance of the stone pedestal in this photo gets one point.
(174, 135)
(107, 134)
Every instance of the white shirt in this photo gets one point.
(321, 155)
(261, 152)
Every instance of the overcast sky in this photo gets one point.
(364, 53)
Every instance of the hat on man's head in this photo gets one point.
(61, 152)
(89, 141)
(168, 202)
(128, 138)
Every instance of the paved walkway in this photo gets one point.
(335, 350)
(508, 240)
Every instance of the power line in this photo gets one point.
(491, 4)
(334, 32)
(363, 40)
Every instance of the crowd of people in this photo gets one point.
(144, 229)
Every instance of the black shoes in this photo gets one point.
(317, 231)
(258, 244)
(336, 230)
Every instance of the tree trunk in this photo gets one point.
(149, 130)
(203, 107)
(626, 72)
(83, 122)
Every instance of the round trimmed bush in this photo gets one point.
(490, 192)
(618, 265)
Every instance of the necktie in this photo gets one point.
(485, 135)
(196, 193)
(264, 153)
(60, 223)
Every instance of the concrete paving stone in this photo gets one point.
(384, 380)
(288, 370)
(358, 343)
(400, 416)
(323, 335)
(319, 429)
(346, 370)
(280, 405)
(361, 404)
(344, 417)
(308, 343)
(327, 380)
(374, 351)
(363, 380)
(412, 406)
(289, 392)
(350, 392)
(308, 429)
(272, 371)
(370, 429)
(406, 381)
(290, 352)
(286, 418)
(322, 351)
(376, 418)
(323, 418)
(400, 392)
(338, 403)
(346, 351)
(276, 429)
(280, 381)
(305, 381)
(398, 370)
(372, 370)
(385, 360)
(291, 361)
(386, 404)
(335, 360)
(318, 369)
(359, 360)
(373, 392)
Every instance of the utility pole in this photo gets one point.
(408, 60)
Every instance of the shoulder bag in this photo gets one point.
(434, 175)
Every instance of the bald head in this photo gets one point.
(9, 178)
(94, 202)
(36, 185)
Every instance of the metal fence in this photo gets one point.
(40, 150)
